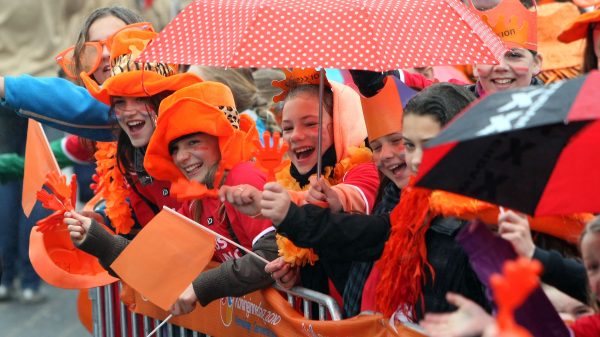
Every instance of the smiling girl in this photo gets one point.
(351, 237)
(200, 139)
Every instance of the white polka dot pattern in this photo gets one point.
(375, 35)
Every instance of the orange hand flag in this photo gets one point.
(165, 257)
(269, 158)
(39, 161)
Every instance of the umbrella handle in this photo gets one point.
(320, 132)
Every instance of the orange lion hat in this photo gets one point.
(136, 79)
(206, 107)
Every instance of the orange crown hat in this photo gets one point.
(561, 61)
(512, 22)
(579, 27)
(295, 78)
(349, 128)
(206, 107)
(136, 79)
(383, 112)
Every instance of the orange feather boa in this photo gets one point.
(404, 260)
(113, 187)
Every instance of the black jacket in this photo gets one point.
(340, 237)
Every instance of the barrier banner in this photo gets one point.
(267, 313)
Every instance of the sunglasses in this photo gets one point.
(90, 55)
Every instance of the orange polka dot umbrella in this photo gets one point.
(344, 34)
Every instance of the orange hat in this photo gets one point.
(136, 79)
(383, 112)
(206, 107)
(60, 263)
(561, 61)
(295, 78)
(579, 27)
(512, 22)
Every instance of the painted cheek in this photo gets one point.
(519, 70)
(484, 71)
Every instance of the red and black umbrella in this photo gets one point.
(535, 149)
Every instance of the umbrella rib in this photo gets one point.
(244, 36)
(373, 34)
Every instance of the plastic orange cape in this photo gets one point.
(404, 259)
(300, 256)
(113, 187)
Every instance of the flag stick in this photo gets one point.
(161, 324)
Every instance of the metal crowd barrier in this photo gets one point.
(130, 324)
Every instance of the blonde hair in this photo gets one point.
(592, 227)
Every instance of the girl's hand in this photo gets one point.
(275, 202)
(320, 191)
(185, 303)
(469, 320)
(78, 226)
(283, 273)
(514, 228)
(246, 198)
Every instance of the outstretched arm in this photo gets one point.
(58, 103)
(347, 237)
(91, 237)
(234, 277)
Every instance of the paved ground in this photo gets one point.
(55, 317)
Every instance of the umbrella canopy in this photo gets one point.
(535, 149)
(345, 34)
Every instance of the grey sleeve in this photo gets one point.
(237, 277)
(103, 245)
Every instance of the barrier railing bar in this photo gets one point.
(108, 310)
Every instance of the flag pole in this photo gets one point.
(216, 234)
(161, 324)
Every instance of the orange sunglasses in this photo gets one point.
(91, 53)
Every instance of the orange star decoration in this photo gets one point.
(61, 200)
(270, 157)
(113, 187)
(294, 255)
(295, 78)
(519, 279)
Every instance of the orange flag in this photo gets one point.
(39, 161)
(165, 257)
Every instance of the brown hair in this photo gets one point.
(124, 14)
(590, 59)
(592, 227)
(312, 90)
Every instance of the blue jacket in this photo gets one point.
(60, 104)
